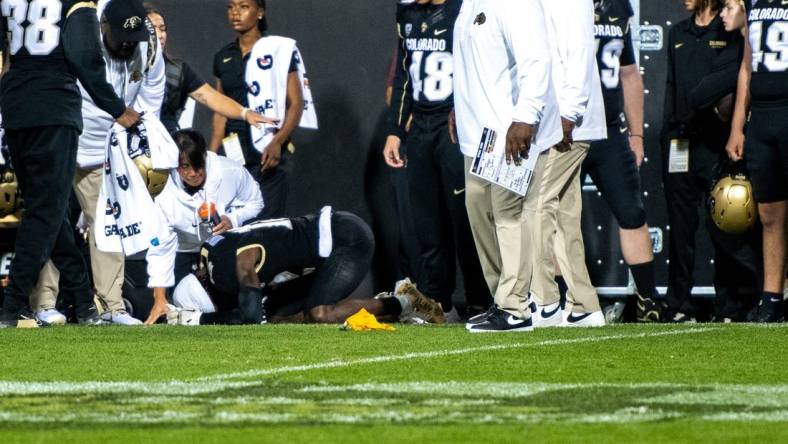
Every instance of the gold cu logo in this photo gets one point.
(132, 23)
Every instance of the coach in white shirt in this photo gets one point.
(203, 180)
(135, 69)
(502, 82)
(570, 28)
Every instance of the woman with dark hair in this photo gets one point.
(206, 196)
(248, 20)
(183, 82)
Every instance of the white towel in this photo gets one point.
(266, 79)
(126, 219)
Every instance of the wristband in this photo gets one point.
(636, 135)
(243, 113)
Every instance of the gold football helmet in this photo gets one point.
(155, 180)
(9, 194)
(732, 205)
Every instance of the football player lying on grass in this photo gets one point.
(240, 269)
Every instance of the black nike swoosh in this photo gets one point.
(547, 315)
(573, 318)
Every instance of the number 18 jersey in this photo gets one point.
(612, 29)
(768, 24)
(424, 78)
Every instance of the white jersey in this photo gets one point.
(227, 185)
(570, 30)
(140, 81)
(502, 72)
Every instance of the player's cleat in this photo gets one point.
(94, 320)
(546, 315)
(50, 316)
(182, 316)
(18, 320)
(614, 313)
(452, 317)
(594, 319)
(500, 321)
(421, 306)
(481, 317)
(679, 318)
(647, 309)
(120, 317)
(769, 310)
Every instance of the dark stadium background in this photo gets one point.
(347, 46)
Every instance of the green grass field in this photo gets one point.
(318, 384)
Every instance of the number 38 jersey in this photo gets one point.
(768, 24)
(424, 77)
(40, 87)
(614, 49)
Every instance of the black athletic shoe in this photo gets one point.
(647, 309)
(481, 317)
(18, 320)
(769, 310)
(93, 320)
(500, 322)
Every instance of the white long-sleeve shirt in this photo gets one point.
(140, 81)
(570, 30)
(502, 72)
(228, 185)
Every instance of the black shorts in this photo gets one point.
(613, 168)
(766, 153)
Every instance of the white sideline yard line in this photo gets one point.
(442, 353)
(222, 382)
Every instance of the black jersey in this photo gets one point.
(612, 29)
(51, 44)
(425, 69)
(285, 244)
(768, 24)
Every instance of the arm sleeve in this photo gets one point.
(249, 200)
(81, 44)
(161, 258)
(628, 55)
(577, 56)
(151, 95)
(401, 91)
(523, 27)
(191, 80)
(722, 80)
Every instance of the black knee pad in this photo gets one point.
(250, 305)
(632, 218)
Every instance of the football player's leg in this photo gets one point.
(452, 166)
(44, 160)
(436, 273)
(342, 272)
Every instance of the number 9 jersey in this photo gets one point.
(612, 30)
(423, 80)
(768, 24)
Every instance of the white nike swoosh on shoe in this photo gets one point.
(511, 320)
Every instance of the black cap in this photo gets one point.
(126, 19)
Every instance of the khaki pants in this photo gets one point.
(108, 268)
(557, 228)
(502, 240)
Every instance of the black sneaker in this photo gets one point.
(481, 317)
(18, 320)
(92, 320)
(499, 322)
(647, 309)
(769, 310)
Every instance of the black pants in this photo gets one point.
(275, 187)
(736, 257)
(44, 160)
(436, 180)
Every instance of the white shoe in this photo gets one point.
(120, 317)
(452, 317)
(182, 316)
(546, 315)
(595, 319)
(51, 316)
